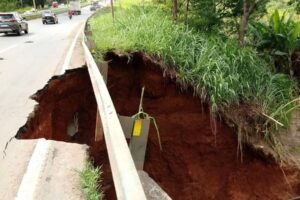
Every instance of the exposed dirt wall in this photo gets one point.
(195, 163)
(63, 98)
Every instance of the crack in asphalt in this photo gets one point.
(6, 145)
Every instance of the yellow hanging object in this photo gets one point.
(137, 127)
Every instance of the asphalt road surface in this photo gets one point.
(27, 62)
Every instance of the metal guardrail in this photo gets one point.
(126, 180)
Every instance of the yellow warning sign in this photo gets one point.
(137, 127)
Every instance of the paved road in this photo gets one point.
(27, 62)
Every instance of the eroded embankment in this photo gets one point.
(194, 164)
(66, 111)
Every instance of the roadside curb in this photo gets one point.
(35, 168)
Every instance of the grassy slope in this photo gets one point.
(220, 72)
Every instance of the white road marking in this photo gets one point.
(15, 45)
(66, 64)
(34, 171)
(8, 48)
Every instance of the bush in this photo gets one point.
(6, 5)
(280, 38)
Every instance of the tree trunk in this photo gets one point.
(175, 10)
(248, 8)
(243, 28)
(34, 5)
(187, 11)
(112, 9)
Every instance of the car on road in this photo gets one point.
(75, 7)
(94, 6)
(28, 12)
(12, 22)
(49, 17)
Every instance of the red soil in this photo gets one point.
(194, 163)
(58, 101)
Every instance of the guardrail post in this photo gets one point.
(99, 130)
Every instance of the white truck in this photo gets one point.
(75, 7)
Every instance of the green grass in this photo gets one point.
(21, 10)
(89, 179)
(220, 72)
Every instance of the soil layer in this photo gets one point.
(195, 163)
(60, 102)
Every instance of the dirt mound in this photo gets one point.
(195, 163)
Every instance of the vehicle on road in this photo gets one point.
(75, 7)
(49, 17)
(94, 6)
(70, 14)
(12, 22)
(28, 12)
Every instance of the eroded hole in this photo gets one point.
(66, 111)
(194, 163)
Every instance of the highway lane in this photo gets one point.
(27, 62)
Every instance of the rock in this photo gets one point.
(152, 190)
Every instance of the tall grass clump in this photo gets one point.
(89, 180)
(220, 72)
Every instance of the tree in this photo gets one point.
(209, 14)
(8, 5)
(186, 11)
(175, 10)
(205, 14)
(40, 3)
(224, 15)
(248, 8)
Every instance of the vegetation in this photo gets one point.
(220, 72)
(7, 5)
(39, 14)
(89, 179)
(280, 38)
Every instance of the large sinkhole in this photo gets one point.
(194, 164)
(66, 110)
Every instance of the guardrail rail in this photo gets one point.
(126, 180)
